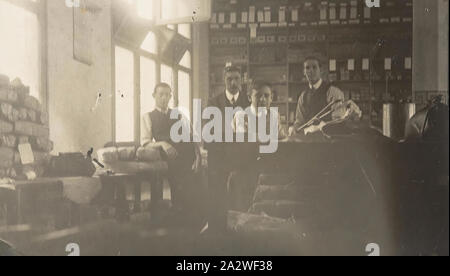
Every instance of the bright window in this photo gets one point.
(124, 95)
(149, 43)
(19, 46)
(184, 91)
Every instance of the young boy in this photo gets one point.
(183, 158)
(261, 97)
(243, 184)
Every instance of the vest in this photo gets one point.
(315, 100)
(161, 126)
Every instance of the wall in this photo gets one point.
(201, 62)
(73, 86)
(430, 46)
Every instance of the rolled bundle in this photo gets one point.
(127, 153)
(40, 131)
(9, 141)
(6, 154)
(31, 115)
(43, 118)
(41, 158)
(11, 173)
(9, 112)
(21, 90)
(23, 128)
(4, 80)
(6, 164)
(17, 159)
(108, 155)
(31, 102)
(148, 154)
(8, 95)
(41, 144)
(6, 127)
(23, 114)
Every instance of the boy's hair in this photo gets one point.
(313, 58)
(231, 68)
(161, 85)
(258, 85)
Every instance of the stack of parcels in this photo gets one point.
(132, 160)
(22, 121)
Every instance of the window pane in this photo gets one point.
(167, 77)
(149, 43)
(19, 46)
(184, 91)
(145, 9)
(148, 82)
(124, 95)
(186, 60)
(185, 30)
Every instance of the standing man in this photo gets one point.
(317, 96)
(219, 158)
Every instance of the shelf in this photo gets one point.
(268, 64)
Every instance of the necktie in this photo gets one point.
(233, 101)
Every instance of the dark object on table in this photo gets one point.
(7, 250)
(429, 124)
(70, 165)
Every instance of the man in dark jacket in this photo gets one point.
(218, 157)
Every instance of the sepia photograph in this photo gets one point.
(224, 133)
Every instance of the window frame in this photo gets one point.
(138, 53)
(40, 9)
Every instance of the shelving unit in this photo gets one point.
(368, 56)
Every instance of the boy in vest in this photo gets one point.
(183, 158)
(317, 96)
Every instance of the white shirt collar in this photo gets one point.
(231, 97)
(317, 85)
(261, 111)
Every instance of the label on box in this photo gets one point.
(26, 154)
(244, 17)
(267, 15)
(332, 65)
(221, 18)
(323, 13)
(387, 64)
(353, 12)
(214, 18)
(343, 12)
(332, 13)
(365, 64)
(282, 24)
(227, 26)
(253, 30)
(351, 65)
(408, 63)
(260, 16)
(282, 14)
(295, 15)
(233, 19)
(241, 26)
(251, 14)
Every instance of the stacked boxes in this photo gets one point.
(22, 121)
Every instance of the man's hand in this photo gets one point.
(169, 150)
(292, 131)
